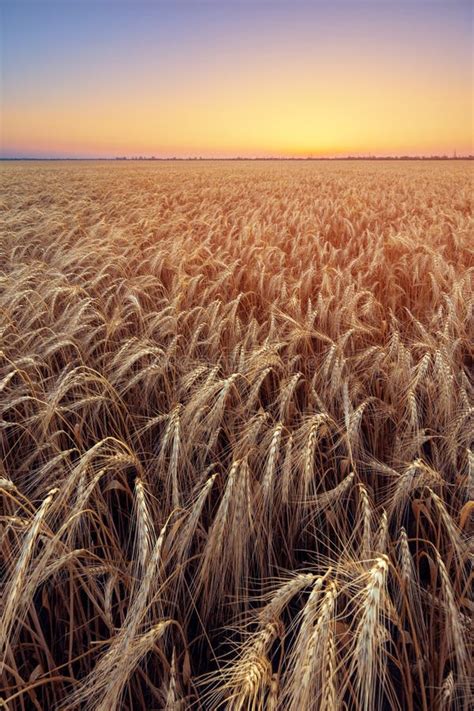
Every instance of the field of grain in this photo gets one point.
(235, 430)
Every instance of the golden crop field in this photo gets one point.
(236, 413)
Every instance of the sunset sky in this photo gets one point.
(83, 78)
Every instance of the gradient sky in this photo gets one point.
(102, 78)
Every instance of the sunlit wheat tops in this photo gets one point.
(236, 436)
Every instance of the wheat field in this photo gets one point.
(236, 420)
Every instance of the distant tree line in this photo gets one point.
(257, 158)
(305, 158)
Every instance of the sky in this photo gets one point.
(105, 78)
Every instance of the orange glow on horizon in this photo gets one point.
(338, 123)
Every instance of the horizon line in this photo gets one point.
(349, 157)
